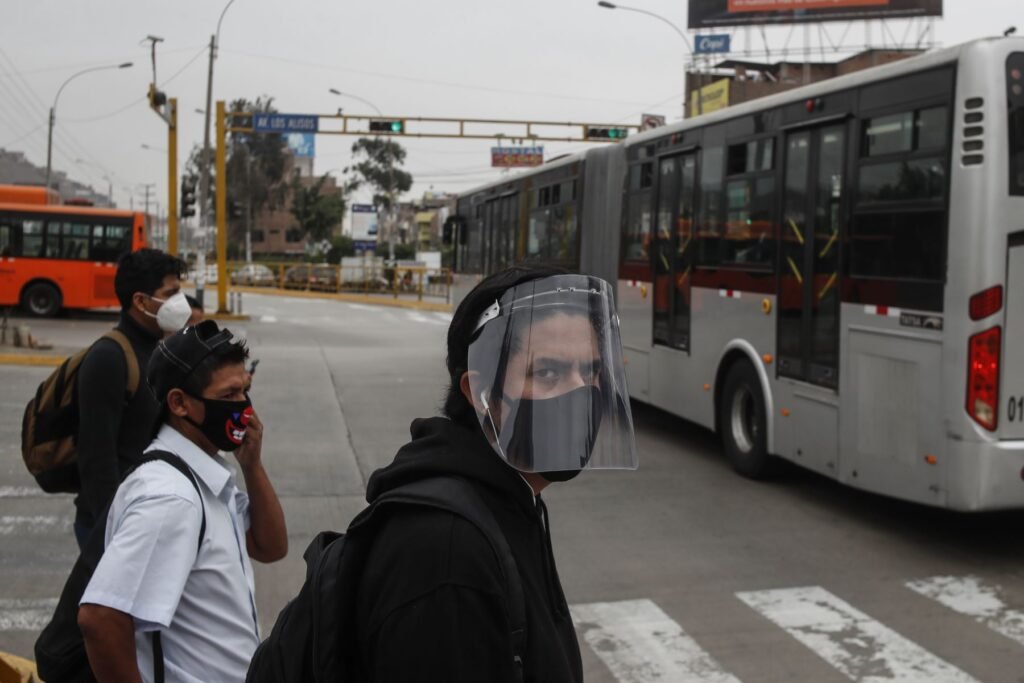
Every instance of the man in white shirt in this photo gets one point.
(174, 588)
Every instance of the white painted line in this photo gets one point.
(639, 643)
(859, 647)
(16, 524)
(420, 318)
(26, 615)
(364, 307)
(446, 317)
(21, 492)
(268, 319)
(969, 596)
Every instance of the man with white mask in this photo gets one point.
(116, 411)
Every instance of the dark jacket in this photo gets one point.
(432, 603)
(112, 432)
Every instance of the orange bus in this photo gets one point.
(54, 257)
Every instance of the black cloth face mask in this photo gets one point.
(225, 422)
(560, 430)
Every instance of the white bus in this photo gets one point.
(833, 275)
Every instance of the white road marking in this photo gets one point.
(20, 492)
(364, 307)
(444, 317)
(420, 318)
(25, 615)
(639, 643)
(859, 647)
(10, 524)
(268, 319)
(969, 596)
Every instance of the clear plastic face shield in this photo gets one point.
(546, 374)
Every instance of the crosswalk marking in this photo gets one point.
(21, 492)
(26, 615)
(639, 643)
(10, 524)
(861, 648)
(420, 318)
(968, 595)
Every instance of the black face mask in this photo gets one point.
(225, 422)
(558, 430)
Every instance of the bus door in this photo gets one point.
(808, 297)
(672, 253)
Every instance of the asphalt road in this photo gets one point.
(681, 571)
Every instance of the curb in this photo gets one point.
(348, 298)
(37, 360)
(237, 317)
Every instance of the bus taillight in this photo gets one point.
(983, 377)
(986, 303)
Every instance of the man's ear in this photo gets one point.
(176, 405)
(469, 384)
(139, 300)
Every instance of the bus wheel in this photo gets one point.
(744, 423)
(41, 299)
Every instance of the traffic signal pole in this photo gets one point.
(222, 210)
(172, 176)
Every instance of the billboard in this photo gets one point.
(302, 144)
(715, 13)
(513, 157)
(364, 222)
(712, 98)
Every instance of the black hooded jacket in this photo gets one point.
(432, 604)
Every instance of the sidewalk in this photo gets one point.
(403, 300)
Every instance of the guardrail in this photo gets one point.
(369, 278)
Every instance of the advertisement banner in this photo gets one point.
(516, 157)
(712, 13)
(651, 121)
(712, 44)
(712, 98)
(364, 223)
(302, 144)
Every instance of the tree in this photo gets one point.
(378, 168)
(255, 165)
(316, 212)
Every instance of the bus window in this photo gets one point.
(31, 238)
(635, 256)
(109, 242)
(709, 225)
(6, 241)
(1015, 96)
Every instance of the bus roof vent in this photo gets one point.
(974, 145)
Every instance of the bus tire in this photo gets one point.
(41, 299)
(744, 423)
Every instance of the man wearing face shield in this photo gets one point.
(537, 394)
(114, 424)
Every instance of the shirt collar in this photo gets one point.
(212, 470)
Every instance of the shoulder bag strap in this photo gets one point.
(131, 362)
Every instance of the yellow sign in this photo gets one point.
(712, 98)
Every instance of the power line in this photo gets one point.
(409, 79)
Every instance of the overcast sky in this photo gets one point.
(509, 59)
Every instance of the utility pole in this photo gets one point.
(167, 109)
(146, 188)
(204, 179)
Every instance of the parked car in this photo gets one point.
(254, 274)
(320, 277)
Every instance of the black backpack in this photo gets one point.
(314, 637)
(60, 648)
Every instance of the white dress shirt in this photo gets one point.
(203, 604)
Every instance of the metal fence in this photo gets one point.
(406, 281)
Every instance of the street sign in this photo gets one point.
(650, 121)
(285, 123)
(516, 157)
(713, 44)
(364, 222)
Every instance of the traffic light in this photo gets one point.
(235, 209)
(188, 196)
(607, 133)
(387, 126)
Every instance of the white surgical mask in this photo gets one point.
(173, 313)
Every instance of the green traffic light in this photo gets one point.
(396, 126)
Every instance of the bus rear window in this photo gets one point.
(1015, 98)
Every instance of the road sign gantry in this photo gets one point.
(450, 128)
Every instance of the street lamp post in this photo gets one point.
(204, 177)
(391, 177)
(686, 41)
(53, 110)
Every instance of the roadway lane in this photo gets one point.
(680, 571)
